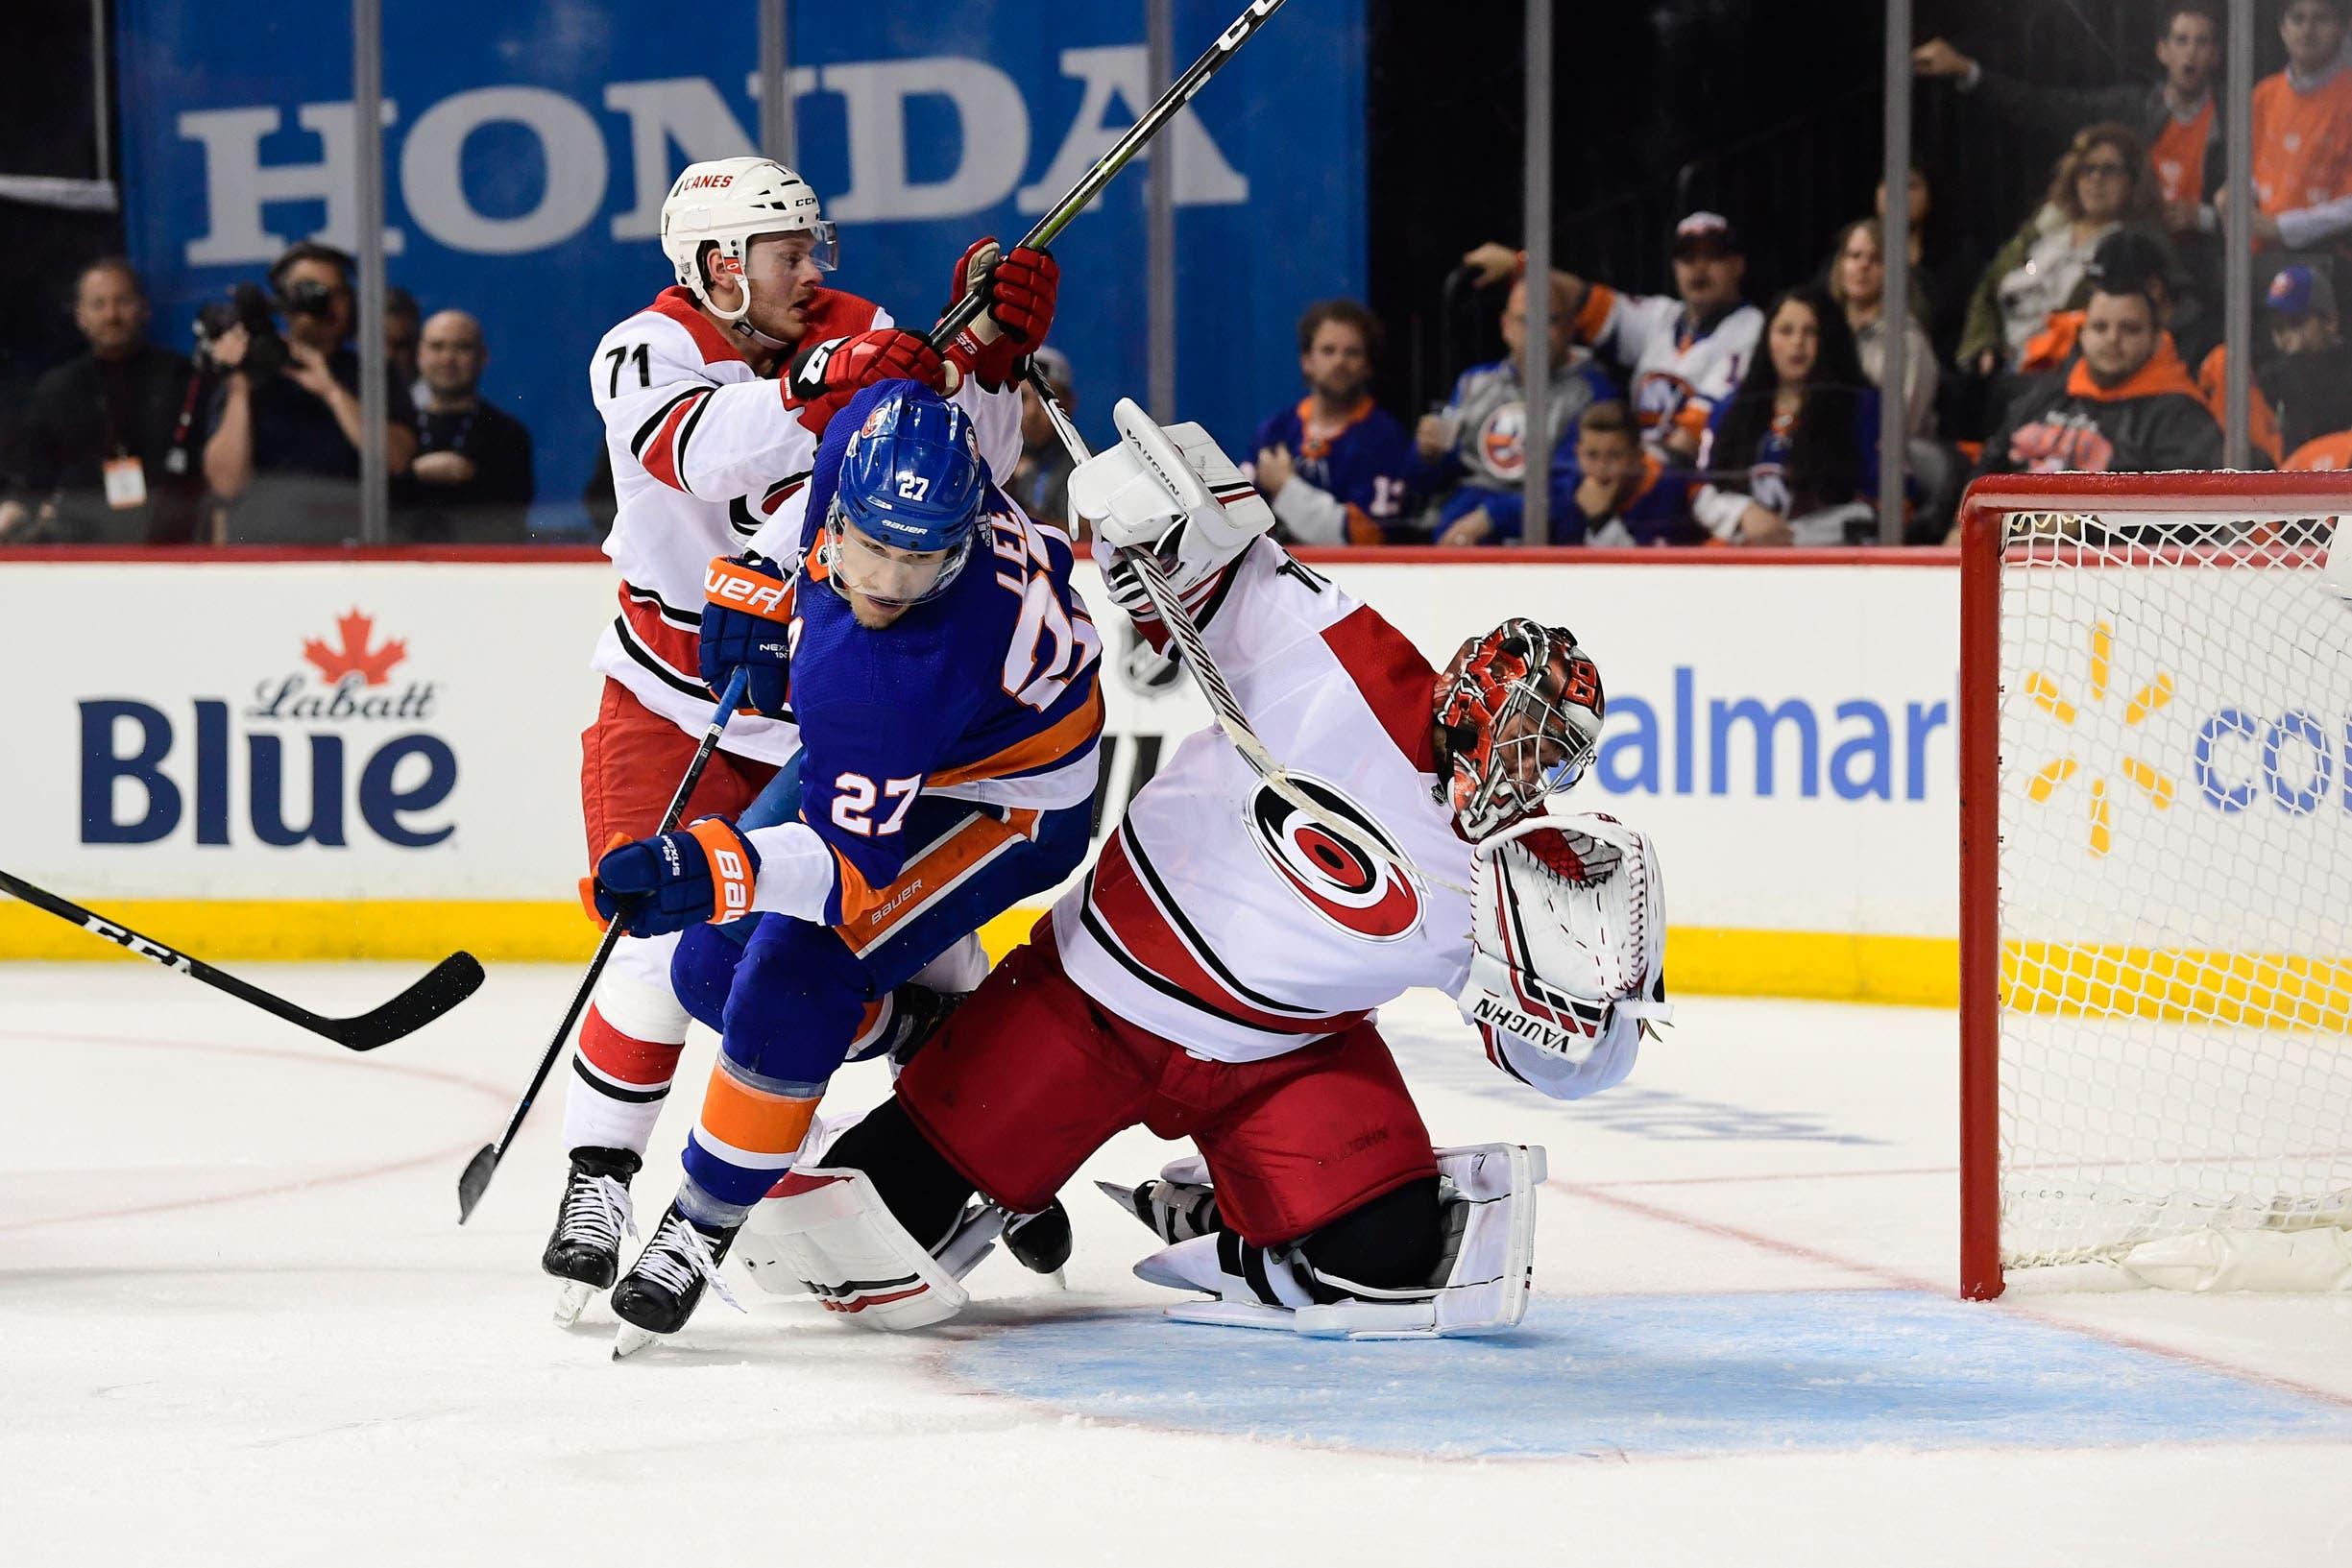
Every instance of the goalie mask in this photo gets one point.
(1518, 714)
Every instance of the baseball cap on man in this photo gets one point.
(1705, 234)
(2300, 291)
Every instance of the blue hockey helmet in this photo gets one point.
(910, 478)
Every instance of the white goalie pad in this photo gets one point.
(1170, 490)
(1570, 930)
(1488, 1205)
(829, 1230)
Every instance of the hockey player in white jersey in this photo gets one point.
(714, 398)
(1216, 976)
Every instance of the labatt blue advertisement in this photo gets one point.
(524, 177)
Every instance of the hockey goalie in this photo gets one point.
(1216, 975)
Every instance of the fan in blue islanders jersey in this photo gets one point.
(942, 672)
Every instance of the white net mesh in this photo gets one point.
(2176, 881)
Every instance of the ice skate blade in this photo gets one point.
(629, 1340)
(572, 1299)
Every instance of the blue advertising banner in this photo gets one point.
(529, 147)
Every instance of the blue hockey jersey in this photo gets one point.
(1368, 465)
(984, 693)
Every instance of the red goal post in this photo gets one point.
(2155, 870)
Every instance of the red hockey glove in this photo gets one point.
(827, 375)
(1017, 294)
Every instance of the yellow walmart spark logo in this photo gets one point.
(2053, 775)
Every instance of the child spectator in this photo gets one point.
(1336, 468)
(1608, 490)
(1857, 283)
(2126, 404)
(2103, 183)
(1480, 438)
(1792, 454)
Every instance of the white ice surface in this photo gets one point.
(239, 1324)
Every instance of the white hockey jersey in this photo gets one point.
(704, 451)
(1222, 917)
(1679, 368)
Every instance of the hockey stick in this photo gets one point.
(474, 1181)
(1225, 707)
(1122, 152)
(444, 986)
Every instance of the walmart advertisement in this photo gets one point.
(523, 182)
(369, 759)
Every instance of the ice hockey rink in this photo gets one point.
(240, 1324)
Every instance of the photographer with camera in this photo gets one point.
(285, 430)
(104, 456)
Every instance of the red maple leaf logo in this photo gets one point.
(354, 657)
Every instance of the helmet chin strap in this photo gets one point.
(736, 319)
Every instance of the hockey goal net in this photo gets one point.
(2156, 878)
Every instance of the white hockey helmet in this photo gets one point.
(728, 201)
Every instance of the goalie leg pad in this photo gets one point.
(830, 1228)
(1480, 1286)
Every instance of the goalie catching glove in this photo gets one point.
(1568, 919)
(1173, 492)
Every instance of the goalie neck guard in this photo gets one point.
(1518, 714)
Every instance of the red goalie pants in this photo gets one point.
(631, 759)
(1030, 1077)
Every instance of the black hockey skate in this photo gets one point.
(583, 1249)
(663, 1287)
(1040, 1242)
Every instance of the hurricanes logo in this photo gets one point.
(2053, 775)
(1361, 895)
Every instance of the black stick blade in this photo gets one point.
(474, 1180)
(448, 983)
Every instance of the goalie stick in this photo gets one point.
(1222, 704)
(474, 1180)
(443, 987)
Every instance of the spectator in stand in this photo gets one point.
(2103, 184)
(1608, 490)
(1337, 467)
(470, 483)
(1684, 353)
(1857, 283)
(1041, 479)
(1477, 443)
(2128, 261)
(1792, 455)
(103, 455)
(2178, 119)
(284, 447)
(2303, 134)
(2125, 406)
(2309, 385)
(404, 328)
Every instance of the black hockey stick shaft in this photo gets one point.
(1122, 152)
(474, 1180)
(448, 983)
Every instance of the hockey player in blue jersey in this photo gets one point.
(941, 669)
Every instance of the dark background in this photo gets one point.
(1766, 110)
